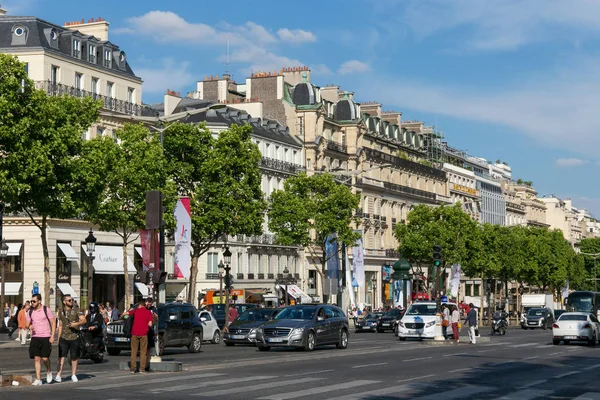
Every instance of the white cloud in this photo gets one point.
(170, 74)
(296, 36)
(571, 162)
(503, 25)
(320, 70)
(353, 66)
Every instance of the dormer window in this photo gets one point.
(19, 31)
(122, 57)
(76, 48)
(107, 58)
(53, 34)
(92, 53)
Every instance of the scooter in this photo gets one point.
(90, 348)
(499, 324)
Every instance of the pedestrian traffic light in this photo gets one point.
(437, 255)
(228, 282)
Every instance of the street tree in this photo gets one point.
(311, 210)
(554, 256)
(40, 145)
(590, 250)
(134, 163)
(221, 177)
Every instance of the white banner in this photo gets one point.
(349, 287)
(455, 280)
(359, 264)
(183, 233)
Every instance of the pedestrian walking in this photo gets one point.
(471, 319)
(22, 323)
(454, 321)
(13, 323)
(445, 320)
(70, 320)
(142, 321)
(42, 324)
(233, 313)
(114, 312)
(6, 314)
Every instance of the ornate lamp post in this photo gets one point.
(373, 291)
(87, 290)
(286, 280)
(227, 268)
(3, 256)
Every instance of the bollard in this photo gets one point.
(438, 327)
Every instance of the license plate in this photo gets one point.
(121, 339)
(240, 337)
(385, 324)
(411, 331)
(571, 337)
(275, 340)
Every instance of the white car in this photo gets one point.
(418, 321)
(576, 326)
(211, 331)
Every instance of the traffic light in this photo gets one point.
(228, 282)
(437, 256)
(154, 209)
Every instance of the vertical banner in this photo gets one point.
(350, 287)
(359, 264)
(146, 243)
(331, 252)
(454, 280)
(398, 299)
(183, 232)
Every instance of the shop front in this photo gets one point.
(14, 274)
(108, 280)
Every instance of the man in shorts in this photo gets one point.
(69, 321)
(42, 325)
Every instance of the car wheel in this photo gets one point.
(195, 344)
(264, 348)
(228, 344)
(343, 343)
(556, 342)
(592, 341)
(310, 342)
(216, 337)
(113, 352)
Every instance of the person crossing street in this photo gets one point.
(42, 324)
(69, 321)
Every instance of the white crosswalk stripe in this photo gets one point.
(516, 346)
(140, 382)
(458, 393)
(526, 394)
(317, 390)
(198, 385)
(382, 392)
(262, 386)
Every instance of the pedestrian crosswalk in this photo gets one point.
(319, 386)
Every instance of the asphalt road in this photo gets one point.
(521, 365)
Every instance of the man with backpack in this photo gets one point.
(42, 324)
(69, 322)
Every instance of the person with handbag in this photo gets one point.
(445, 320)
(70, 320)
(455, 321)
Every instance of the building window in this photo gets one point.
(240, 267)
(107, 58)
(63, 267)
(130, 95)
(76, 48)
(212, 263)
(19, 31)
(99, 132)
(109, 89)
(94, 86)
(78, 81)
(54, 70)
(308, 163)
(92, 53)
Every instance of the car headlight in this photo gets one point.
(430, 324)
(110, 329)
(297, 330)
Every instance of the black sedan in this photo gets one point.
(243, 329)
(389, 320)
(368, 322)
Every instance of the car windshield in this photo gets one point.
(422, 309)
(581, 302)
(392, 313)
(572, 317)
(371, 316)
(535, 312)
(303, 312)
(256, 314)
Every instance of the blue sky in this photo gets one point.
(515, 80)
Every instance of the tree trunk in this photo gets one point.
(126, 272)
(193, 276)
(46, 261)
(323, 275)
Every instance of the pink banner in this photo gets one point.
(146, 243)
(183, 232)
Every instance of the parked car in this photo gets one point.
(419, 321)
(368, 322)
(538, 318)
(305, 326)
(389, 319)
(211, 330)
(178, 325)
(243, 329)
(218, 310)
(576, 326)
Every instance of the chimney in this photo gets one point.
(172, 99)
(96, 27)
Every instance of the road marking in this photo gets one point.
(566, 374)
(514, 346)
(145, 382)
(459, 393)
(555, 354)
(546, 346)
(312, 373)
(198, 385)
(484, 351)
(262, 386)
(494, 344)
(589, 396)
(369, 365)
(417, 377)
(460, 370)
(527, 394)
(381, 392)
(531, 358)
(591, 367)
(318, 390)
(418, 359)
(534, 383)
(454, 354)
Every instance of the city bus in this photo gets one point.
(584, 301)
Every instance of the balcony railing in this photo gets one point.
(391, 253)
(372, 182)
(239, 276)
(335, 146)
(261, 276)
(279, 165)
(250, 276)
(212, 276)
(515, 206)
(410, 191)
(405, 164)
(110, 103)
(376, 217)
(270, 276)
(443, 198)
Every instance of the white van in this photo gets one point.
(418, 321)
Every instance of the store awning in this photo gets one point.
(108, 260)
(139, 250)
(142, 288)
(296, 293)
(66, 288)
(14, 249)
(68, 251)
(12, 288)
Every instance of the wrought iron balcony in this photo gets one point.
(270, 276)
(239, 276)
(391, 253)
(250, 276)
(261, 276)
(372, 182)
(279, 165)
(404, 164)
(110, 103)
(335, 146)
(515, 206)
(410, 191)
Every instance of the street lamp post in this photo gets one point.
(373, 287)
(286, 279)
(90, 244)
(227, 259)
(3, 256)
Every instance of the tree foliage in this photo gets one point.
(41, 145)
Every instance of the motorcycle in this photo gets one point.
(90, 348)
(499, 324)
